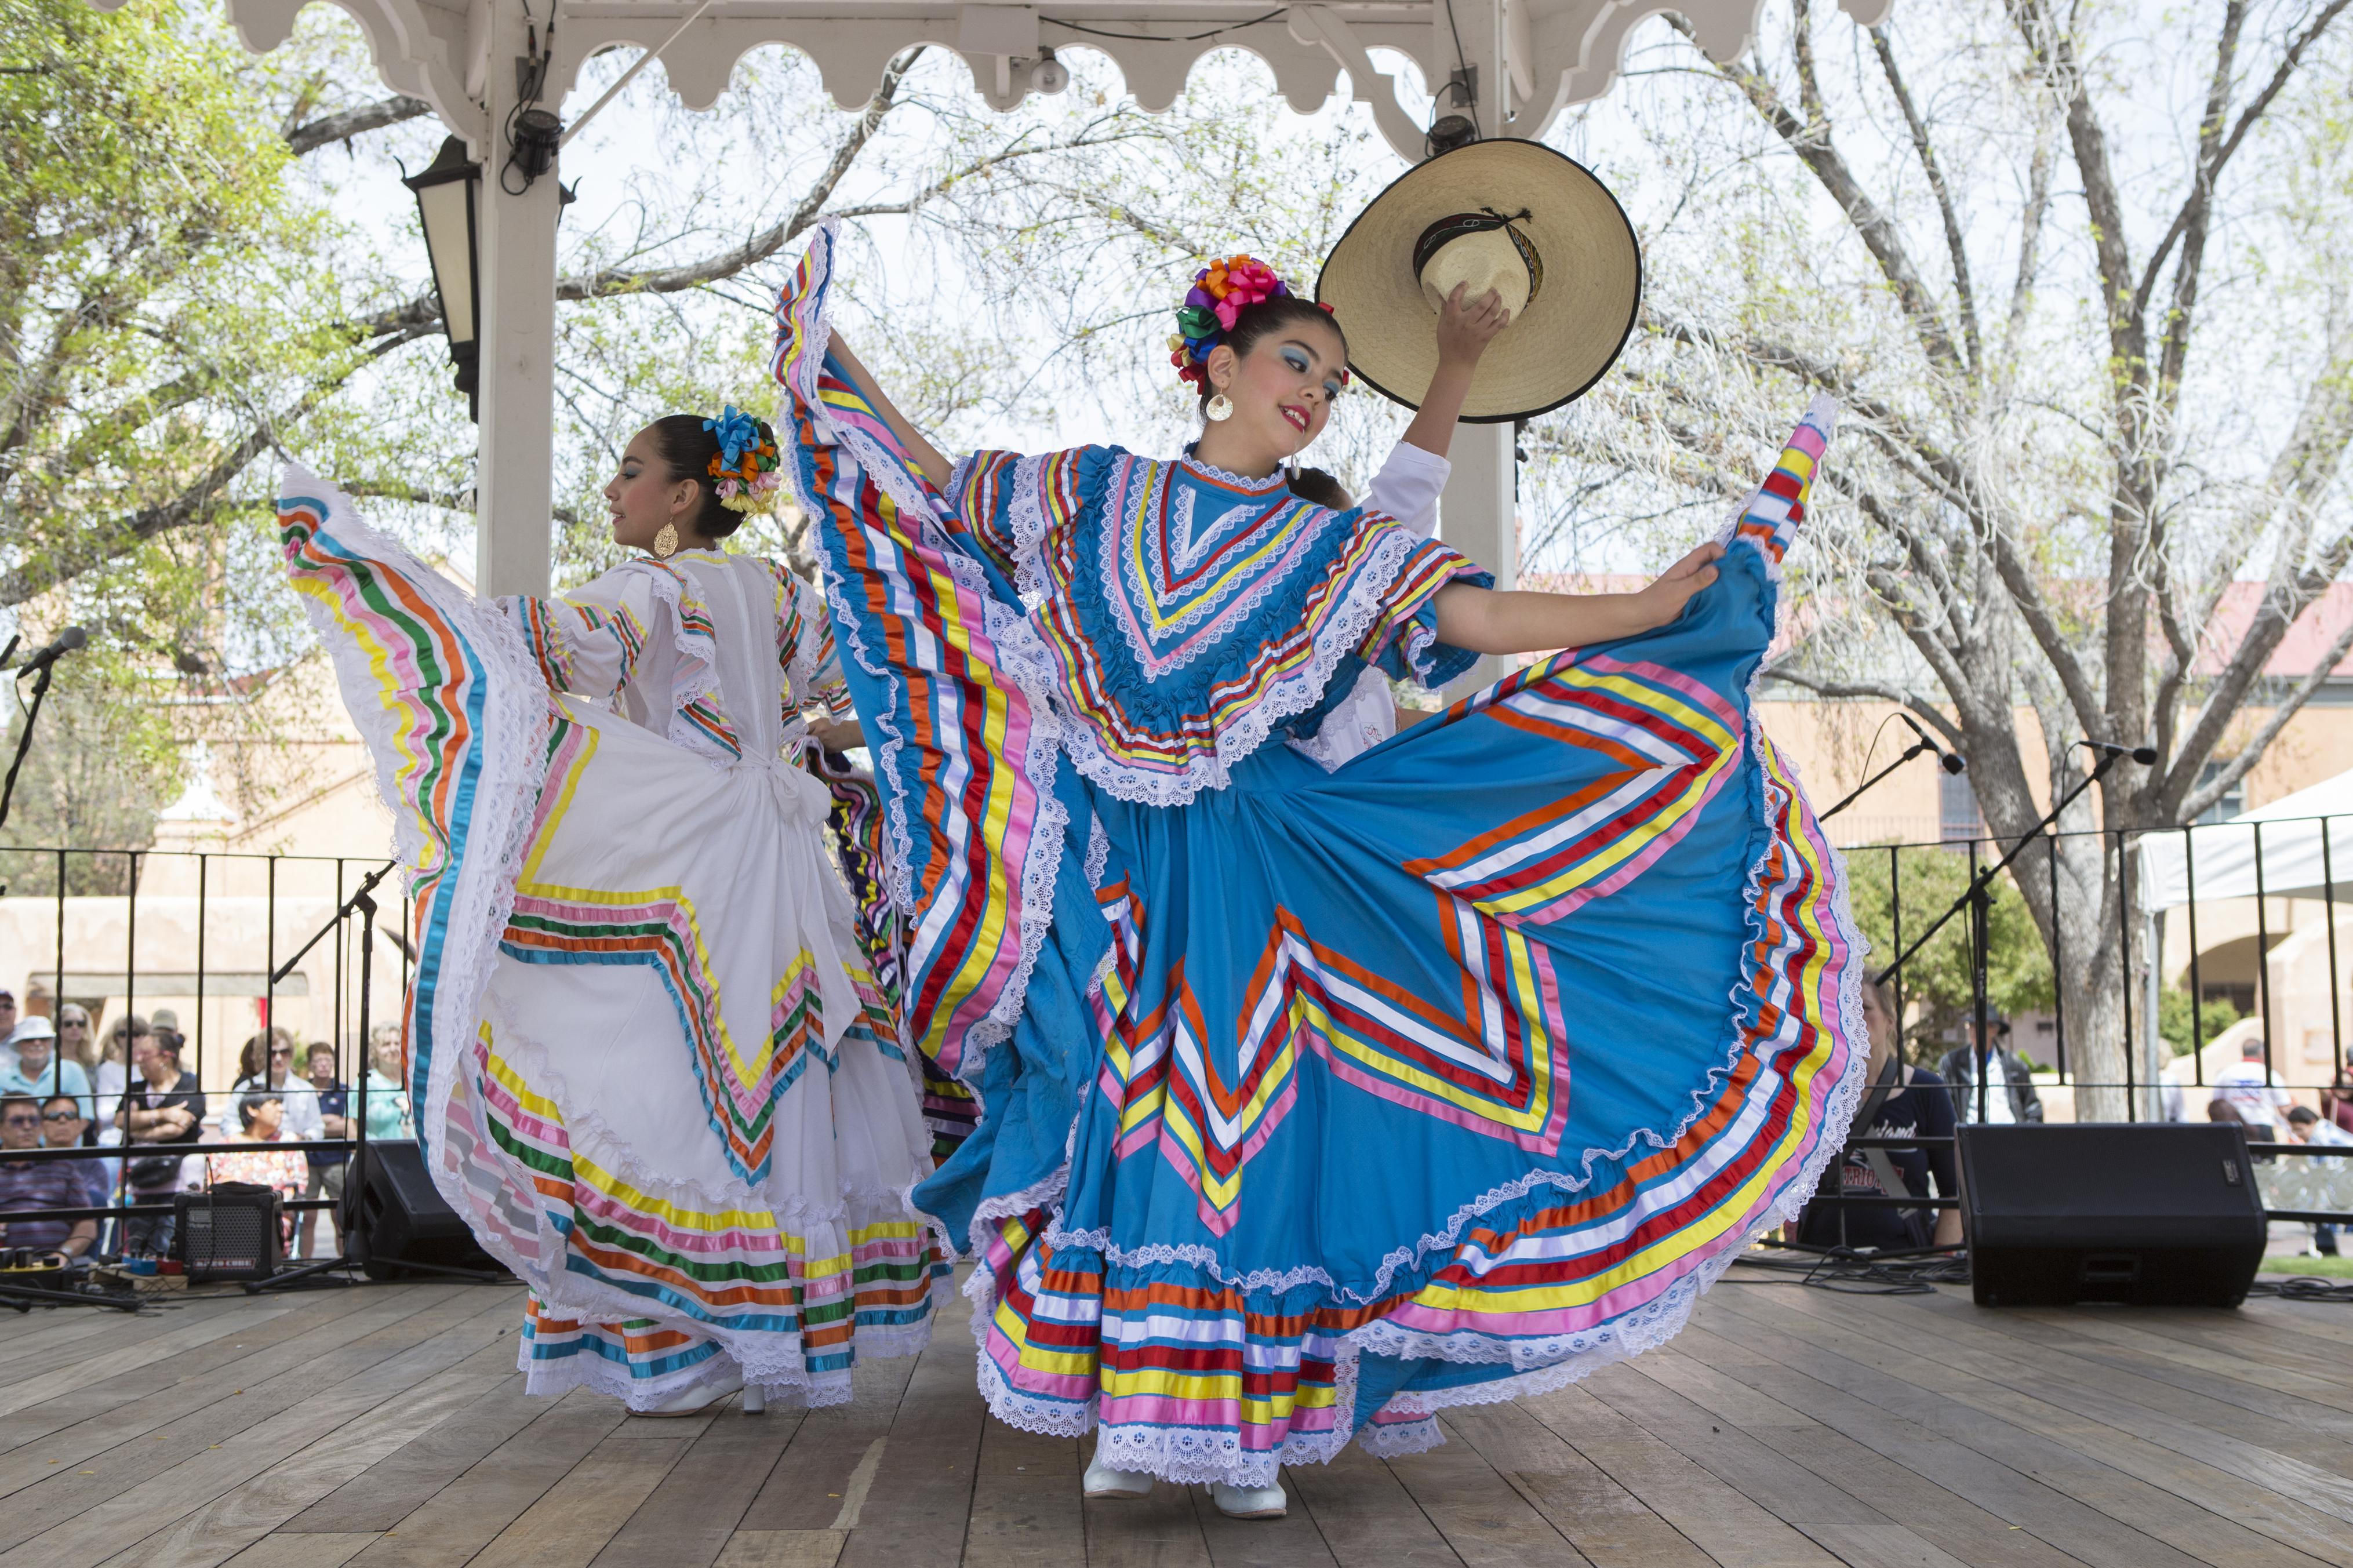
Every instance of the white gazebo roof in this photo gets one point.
(1525, 60)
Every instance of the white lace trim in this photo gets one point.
(1022, 657)
(1288, 694)
(1265, 485)
(518, 711)
(1098, 852)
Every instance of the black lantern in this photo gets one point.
(447, 193)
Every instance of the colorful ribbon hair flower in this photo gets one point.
(737, 433)
(1221, 291)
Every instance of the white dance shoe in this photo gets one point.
(1105, 1484)
(691, 1401)
(1249, 1502)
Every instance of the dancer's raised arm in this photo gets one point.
(1485, 621)
(924, 456)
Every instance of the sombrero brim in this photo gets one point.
(1570, 332)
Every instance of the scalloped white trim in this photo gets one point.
(1021, 656)
(518, 712)
(1098, 854)
(1288, 694)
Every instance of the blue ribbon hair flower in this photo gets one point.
(737, 434)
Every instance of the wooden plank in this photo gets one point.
(296, 1333)
(2250, 1340)
(466, 1515)
(380, 1497)
(1486, 1521)
(1291, 1541)
(1926, 1450)
(926, 1468)
(1157, 1531)
(2197, 1429)
(2043, 1444)
(782, 1549)
(134, 1345)
(1978, 1380)
(685, 1522)
(240, 1517)
(1601, 1519)
(141, 1485)
(1715, 1517)
(1025, 1507)
(1757, 1466)
(308, 1551)
(2242, 1381)
(808, 1484)
(577, 1516)
(1886, 1486)
(2319, 1320)
(1366, 1516)
(53, 1336)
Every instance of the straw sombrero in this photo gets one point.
(1511, 215)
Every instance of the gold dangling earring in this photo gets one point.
(1220, 408)
(666, 541)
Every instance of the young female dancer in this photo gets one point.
(650, 1064)
(1314, 1102)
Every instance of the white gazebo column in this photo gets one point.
(1476, 516)
(1477, 512)
(514, 479)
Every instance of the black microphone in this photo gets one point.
(2145, 756)
(1951, 761)
(67, 641)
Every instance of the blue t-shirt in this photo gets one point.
(332, 1102)
(57, 1076)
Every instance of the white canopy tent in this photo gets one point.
(1531, 60)
(2306, 842)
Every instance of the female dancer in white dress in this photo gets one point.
(652, 1066)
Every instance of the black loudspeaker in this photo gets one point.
(231, 1232)
(403, 1219)
(2161, 1214)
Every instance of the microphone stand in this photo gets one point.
(353, 1209)
(1977, 900)
(1917, 749)
(24, 735)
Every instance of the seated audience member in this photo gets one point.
(160, 1114)
(2306, 1126)
(2260, 1097)
(2009, 1093)
(1917, 1105)
(32, 1065)
(266, 1065)
(63, 1126)
(261, 1119)
(32, 1184)
(388, 1088)
(327, 1166)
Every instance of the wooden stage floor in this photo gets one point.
(386, 1426)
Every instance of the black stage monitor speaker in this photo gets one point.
(2163, 1213)
(403, 1218)
(230, 1232)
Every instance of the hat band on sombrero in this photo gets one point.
(1487, 220)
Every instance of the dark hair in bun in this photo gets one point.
(691, 452)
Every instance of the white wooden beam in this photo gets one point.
(514, 477)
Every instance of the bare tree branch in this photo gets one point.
(1925, 146)
(328, 129)
(2231, 771)
(2290, 58)
(1813, 146)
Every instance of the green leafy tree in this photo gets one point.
(2174, 1020)
(1937, 985)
